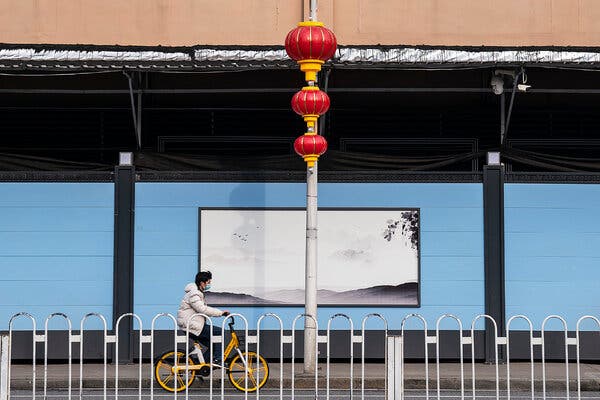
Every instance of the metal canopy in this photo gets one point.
(75, 58)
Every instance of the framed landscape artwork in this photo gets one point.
(366, 257)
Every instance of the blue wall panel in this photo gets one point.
(56, 251)
(166, 242)
(552, 234)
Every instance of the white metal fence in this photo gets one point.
(283, 384)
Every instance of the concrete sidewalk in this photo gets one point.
(339, 376)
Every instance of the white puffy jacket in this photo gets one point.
(193, 303)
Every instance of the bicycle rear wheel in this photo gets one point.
(247, 379)
(166, 377)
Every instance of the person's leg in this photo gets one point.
(194, 339)
(205, 340)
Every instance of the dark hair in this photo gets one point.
(203, 276)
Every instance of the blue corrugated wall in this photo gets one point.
(166, 241)
(56, 251)
(552, 251)
(56, 245)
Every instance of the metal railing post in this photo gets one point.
(316, 350)
(104, 351)
(362, 350)
(4, 366)
(566, 339)
(531, 344)
(578, 344)
(329, 353)
(281, 340)
(488, 318)
(69, 352)
(461, 342)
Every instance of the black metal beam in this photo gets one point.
(123, 257)
(293, 90)
(493, 238)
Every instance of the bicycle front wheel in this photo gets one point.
(251, 377)
(166, 377)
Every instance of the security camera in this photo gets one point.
(497, 84)
(523, 87)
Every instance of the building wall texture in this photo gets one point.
(552, 247)
(56, 251)
(265, 22)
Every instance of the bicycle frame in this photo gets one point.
(233, 344)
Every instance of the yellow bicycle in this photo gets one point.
(244, 369)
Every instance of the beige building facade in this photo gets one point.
(265, 22)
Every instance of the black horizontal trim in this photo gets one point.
(59, 176)
(300, 176)
(552, 177)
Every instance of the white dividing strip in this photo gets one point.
(466, 340)
(111, 339)
(251, 339)
(537, 341)
(501, 340)
(430, 339)
(357, 339)
(39, 338)
(287, 339)
(146, 338)
(321, 339)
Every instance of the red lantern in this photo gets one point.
(310, 41)
(310, 147)
(310, 102)
(311, 44)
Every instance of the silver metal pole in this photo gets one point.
(310, 287)
(310, 273)
(312, 16)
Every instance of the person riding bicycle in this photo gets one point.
(193, 303)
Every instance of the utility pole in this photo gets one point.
(310, 44)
